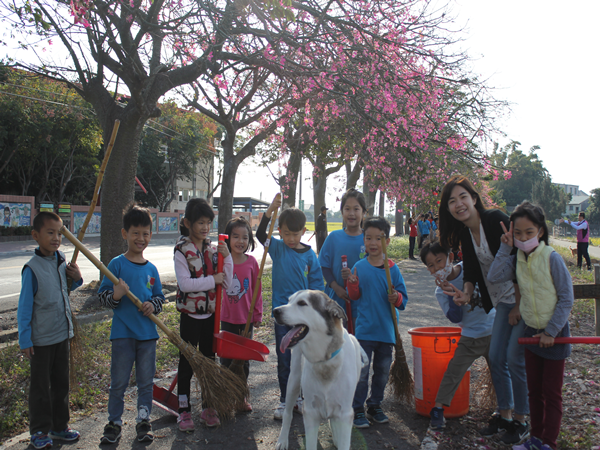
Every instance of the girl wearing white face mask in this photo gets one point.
(546, 302)
(465, 221)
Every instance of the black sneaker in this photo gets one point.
(438, 421)
(516, 433)
(144, 431)
(360, 421)
(376, 414)
(496, 424)
(112, 432)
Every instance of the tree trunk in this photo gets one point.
(289, 182)
(399, 219)
(319, 187)
(118, 185)
(381, 204)
(231, 163)
(352, 174)
(370, 191)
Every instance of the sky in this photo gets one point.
(542, 57)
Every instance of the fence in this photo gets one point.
(591, 291)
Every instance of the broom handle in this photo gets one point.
(90, 213)
(220, 261)
(563, 340)
(260, 272)
(107, 273)
(390, 287)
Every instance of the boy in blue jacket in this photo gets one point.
(476, 326)
(374, 326)
(45, 327)
(295, 267)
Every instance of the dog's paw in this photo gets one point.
(281, 445)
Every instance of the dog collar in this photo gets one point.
(333, 355)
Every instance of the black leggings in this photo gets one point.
(198, 333)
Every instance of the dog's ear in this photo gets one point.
(335, 310)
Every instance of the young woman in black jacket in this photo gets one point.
(464, 220)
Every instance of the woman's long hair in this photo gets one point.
(450, 228)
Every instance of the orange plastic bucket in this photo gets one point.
(433, 348)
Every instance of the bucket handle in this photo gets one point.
(435, 343)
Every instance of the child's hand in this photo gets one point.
(345, 273)
(545, 341)
(222, 249)
(340, 292)
(256, 324)
(276, 204)
(460, 298)
(507, 237)
(28, 352)
(393, 297)
(219, 277)
(514, 316)
(73, 271)
(353, 278)
(147, 308)
(121, 289)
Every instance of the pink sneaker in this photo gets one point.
(209, 418)
(185, 422)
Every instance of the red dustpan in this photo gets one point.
(165, 399)
(229, 345)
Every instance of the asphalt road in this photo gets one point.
(14, 256)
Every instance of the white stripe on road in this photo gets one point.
(9, 295)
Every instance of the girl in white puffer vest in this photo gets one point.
(546, 302)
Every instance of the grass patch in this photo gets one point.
(331, 226)
(398, 248)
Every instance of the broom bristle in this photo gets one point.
(221, 389)
(402, 381)
(484, 391)
(75, 354)
(237, 367)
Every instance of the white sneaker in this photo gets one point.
(299, 407)
(279, 411)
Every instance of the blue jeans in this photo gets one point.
(283, 360)
(124, 353)
(381, 355)
(507, 362)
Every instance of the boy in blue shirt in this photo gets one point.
(45, 327)
(133, 334)
(295, 267)
(374, 326)
(476, 326)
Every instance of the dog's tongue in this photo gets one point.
(288, 338)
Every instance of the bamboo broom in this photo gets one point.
(402, 380)
(237, 365)
(221, 389)
(76, 346)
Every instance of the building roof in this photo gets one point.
(248, 203)
(578, 199)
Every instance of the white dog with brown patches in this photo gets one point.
(326, 364)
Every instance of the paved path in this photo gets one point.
(593, 251)
(258, 430)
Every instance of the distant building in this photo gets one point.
(579, 199)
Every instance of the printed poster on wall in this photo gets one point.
(92, 228)
(15, 214)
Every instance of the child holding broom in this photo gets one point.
(195, 269)
(133, 335)
(374, 327)
(295, 267)
(349, 242)
(475, 324)
(45, 327)
(546, 302)
(238, 297)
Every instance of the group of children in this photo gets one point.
(349, 268)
